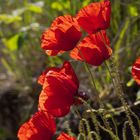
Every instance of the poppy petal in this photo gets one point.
(136, 71)
(64, 136)
(94, 49)
(41, 126)
(60, 86)
(95, 16)
(62, 36)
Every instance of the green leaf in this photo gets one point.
(36, 7)
(12, 43)
(132, 10)
(57, 6)
(121, 37)
(66, 4)
(86, 2)
(8, 19)
(130, 83)
(138, 95)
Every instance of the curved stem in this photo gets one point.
(98, 98)
(119, 91)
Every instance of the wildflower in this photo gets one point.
(60, 86)
(63, 35)
(41, 126)
(95, 16)
(136, 71)
(93, 48)
(64, 136)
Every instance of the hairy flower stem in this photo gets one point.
(119, 91)
(93, 116)
(124, 130)
(89, 136)
(115, 125)
(96, 135)
(68, 129)
(113, 136)
(97, 95)
(82, 130)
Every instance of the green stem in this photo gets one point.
(77, 112)
(96, 135)
(119, 91)
(94, 85)
(124, 130)
(67, 126)
(114, 137)
(115, 126)
(87, 129)
(93, 116)
(82, 129)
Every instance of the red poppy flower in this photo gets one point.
(60, 85)
(63, 35)
(64, 136)
(41, 126)
(136, 71)
(95, 16)
(94, 49)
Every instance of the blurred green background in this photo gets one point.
(22, 60)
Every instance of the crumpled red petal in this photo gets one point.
(136, 71)
(41, 126)
(64, 136)
(93, 48)
(95, 16)
(62, 36)
(60, 86)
